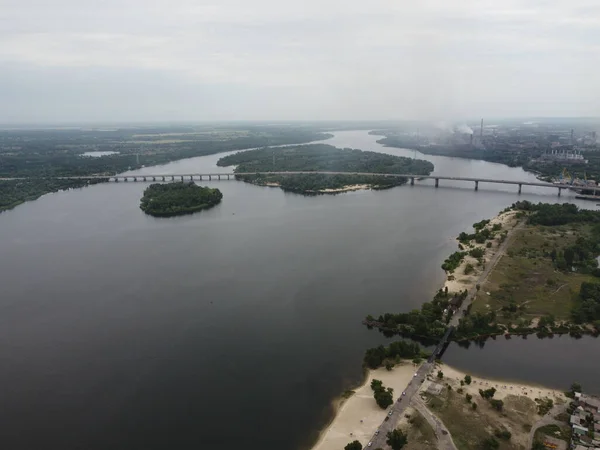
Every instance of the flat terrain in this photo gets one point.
(525, 276)
(470, 427)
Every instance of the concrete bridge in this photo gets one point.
(411, 177)
(232, 176)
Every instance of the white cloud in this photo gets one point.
(324, 59)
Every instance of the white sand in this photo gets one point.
(503, 388)
(347, 426)
(462, 281)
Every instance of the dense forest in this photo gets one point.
(15, 192)
(173, 199)
(42, 154)
(319, 157)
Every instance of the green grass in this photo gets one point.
(528, 278)
(347, 394)
(470, 428)
(553, 431)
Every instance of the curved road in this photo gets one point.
(444, 438)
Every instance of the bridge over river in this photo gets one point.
(232, 176)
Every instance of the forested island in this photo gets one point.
(174, 199)
(320, 157)
(43, 155)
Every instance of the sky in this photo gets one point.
(170, 60)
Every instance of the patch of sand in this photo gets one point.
(359, 417)
(460, 282)
(503, 388)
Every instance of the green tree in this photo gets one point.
(354, 445)
(575, 387)
(384, 398)
(440, 374)
(468, 379)
(468, 397)
(376, 385)
(497, 404)
(490, 444)
(396, 439)
(389, 366)
(474, 406)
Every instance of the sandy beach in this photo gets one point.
(347, 426)
(458, 280)
(503, 388)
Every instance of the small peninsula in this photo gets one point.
(174, 199)
(320, 157)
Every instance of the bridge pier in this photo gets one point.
(412, 181)
(219, 177)
(144, 178)
(191, 177)
(116, 179)
(228, 176)
(477, 185)
(163, 178)
(559, 191)
(520, 186)
(125, 179)
(437, 182)
(209, 178)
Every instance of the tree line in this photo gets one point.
(172, 199)
(321, 157)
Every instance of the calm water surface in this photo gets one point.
(238, 324)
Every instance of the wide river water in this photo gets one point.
(236, 326)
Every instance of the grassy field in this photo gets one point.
(470, 428)
(420, 434)
(525, 276)
(562, 433)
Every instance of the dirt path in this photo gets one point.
(548, 419)
(489, 267)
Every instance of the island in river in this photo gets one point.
(321, 157)
(174, 199)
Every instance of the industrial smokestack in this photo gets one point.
(481, 130)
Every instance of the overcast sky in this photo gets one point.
(123, 60)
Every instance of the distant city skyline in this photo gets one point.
(226, 60)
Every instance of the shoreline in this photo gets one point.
(453, 372)
(508, 221)
(358, 417)
(330, 436)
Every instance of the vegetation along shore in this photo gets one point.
(174, 199)
(321, 157)
(546, 282)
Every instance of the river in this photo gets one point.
(236, 326)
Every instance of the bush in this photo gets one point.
(488, 393)
(490, 444)
(440, 374)
(477, 252)
(497, 404)
(468, 379)
(474, 406)
(468, 397)
(503, 434)
(469, 269)
(355, 445)
(488, 244)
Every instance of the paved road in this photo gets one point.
(548, 419)
(444, 438)
(489, 266)
(398, 408)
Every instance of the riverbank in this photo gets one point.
(348, 188)
(359, 416)
(461, 279)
